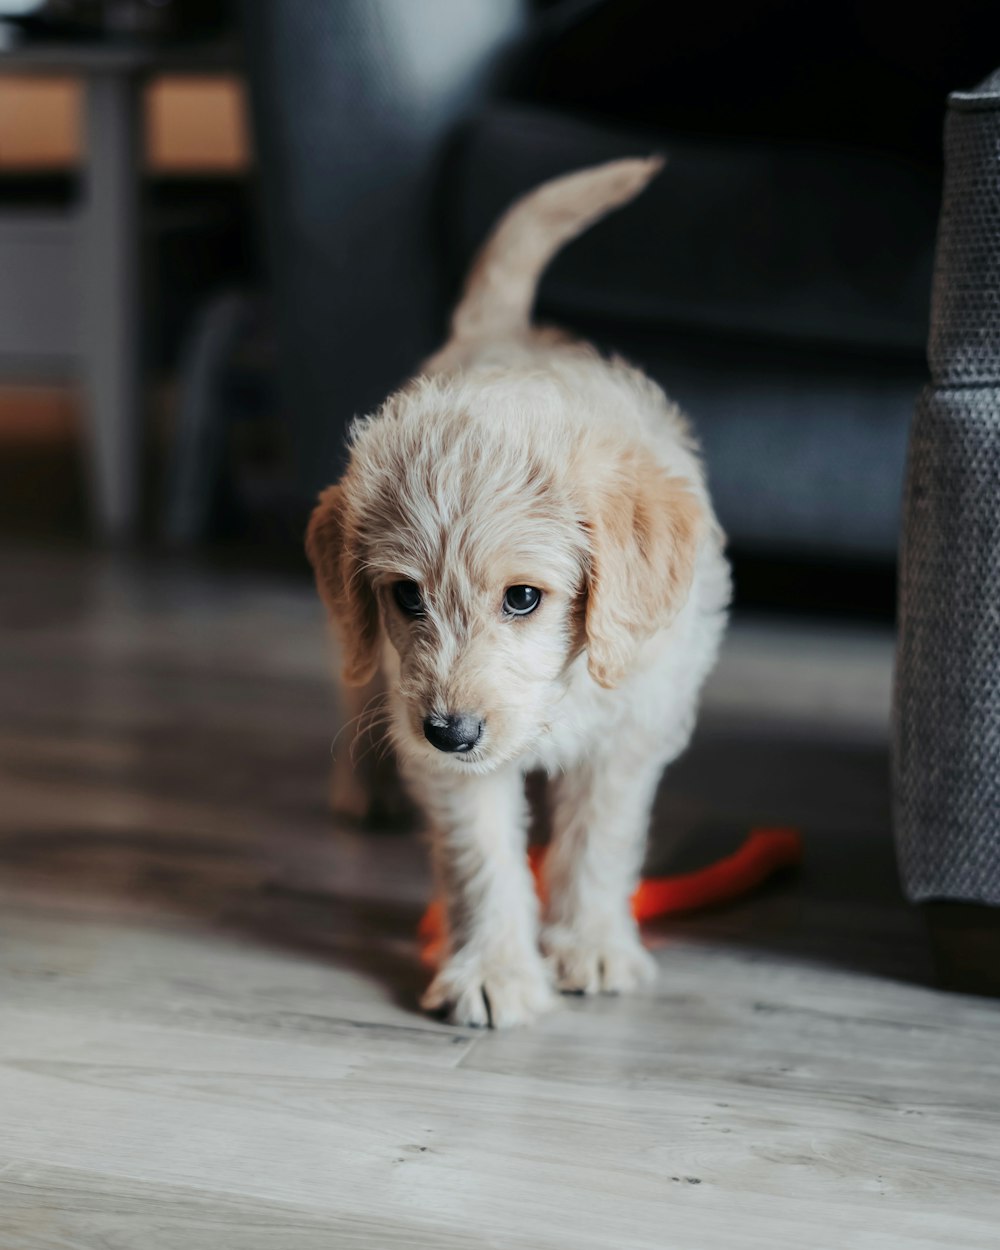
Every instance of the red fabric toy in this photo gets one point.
(762, 854)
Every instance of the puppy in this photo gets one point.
(522, 555)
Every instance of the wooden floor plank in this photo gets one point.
(208, 1024)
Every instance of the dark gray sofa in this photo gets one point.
(776, 278)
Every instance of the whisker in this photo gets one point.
(383, 695)
(381, 745)
(379, 720)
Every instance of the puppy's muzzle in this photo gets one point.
(453, 733)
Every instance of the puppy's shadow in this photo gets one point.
(334, 897)
(844, 907)
(253, 890)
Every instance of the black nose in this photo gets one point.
(453, 733)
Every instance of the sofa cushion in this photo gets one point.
(819, 245)
(804, 449)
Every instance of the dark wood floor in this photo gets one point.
(208, 1024)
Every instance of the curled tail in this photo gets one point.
(500, 289)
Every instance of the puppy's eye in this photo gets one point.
(407, 596)
(520, 600)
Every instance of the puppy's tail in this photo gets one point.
(500, 289)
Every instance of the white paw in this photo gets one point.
(610, 959)
(490, 991)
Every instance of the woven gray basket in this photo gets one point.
(946, 748)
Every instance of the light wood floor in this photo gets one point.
(208, 1034)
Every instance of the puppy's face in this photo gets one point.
(488, 560)
(482, 614)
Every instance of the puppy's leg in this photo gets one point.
(364, 779)
(350, 780)
(493, 973)
(600, 818)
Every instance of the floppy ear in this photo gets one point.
(332, 547)
(643, 540)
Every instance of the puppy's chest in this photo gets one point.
(635, 716)
(582, 719)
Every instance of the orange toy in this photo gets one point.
(762, 854)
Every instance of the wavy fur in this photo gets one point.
(518, 456)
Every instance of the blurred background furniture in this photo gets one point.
(79, 260)
(775, 278)
(71, 298)
(947, 698)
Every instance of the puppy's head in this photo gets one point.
(490, 550)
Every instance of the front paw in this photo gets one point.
(596, 959)
(490, 991)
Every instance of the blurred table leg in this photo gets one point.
(111, 304)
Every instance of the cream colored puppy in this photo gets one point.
(523, 551)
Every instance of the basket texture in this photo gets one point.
(946, 731)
